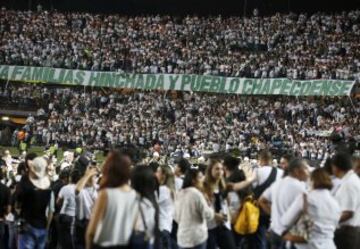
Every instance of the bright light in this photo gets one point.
(5, 118)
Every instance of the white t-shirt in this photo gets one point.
(67, 193)
(281, 195)
(85, 201)
(348, 197)
(166, 209)
(263, 173)
(178, 183)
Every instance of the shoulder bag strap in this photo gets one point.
(261, 188)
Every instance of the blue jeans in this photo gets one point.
(165, 240)
(201, 246)
(258, 239)
(32, 238)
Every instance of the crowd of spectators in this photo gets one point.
(283, 45)
(187, 123)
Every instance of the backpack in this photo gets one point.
(248, 219)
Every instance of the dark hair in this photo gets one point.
(30, 156)
(154, 166)
(342, 161)
(231, 163)
(144, 182)
(321, 179)
(327, 166)
(64, 174)
(116, 170)
(21, 169)
(75, 176)
(288, 156)
(190, 176)
(265, 155)
(295, 164)
(184, 165)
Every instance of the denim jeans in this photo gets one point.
(201, 246)
(65, 232)
(258, 239)
(276, 241)
(32, 238)
(165, 240)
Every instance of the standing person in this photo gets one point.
(285, 161)
(214, 186)
(180, 170)
(322, 209)
(35, 202)
(5, 208)
(85, 196)
(278, 198)
(265, 175)
(66, 200)
(348, 234)
(192, 211)
(119, 210)
(166, 200)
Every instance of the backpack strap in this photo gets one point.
(261, 188)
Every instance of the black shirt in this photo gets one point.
(4, 200)
(33, 203)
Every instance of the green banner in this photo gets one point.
(180, 82)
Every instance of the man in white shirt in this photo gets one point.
(347, 236)
(278, 198)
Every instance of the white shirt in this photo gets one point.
(348, 196)
(325, 213)
(281, 195)
(67, 193)
(263, 173)
(166, 209)
(178, 183)
(85, 201)
(191, 214)
(122, 212)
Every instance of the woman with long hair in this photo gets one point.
(215, 189)
(166, 198)
(322, 209)
(192, 212)
(120, 211)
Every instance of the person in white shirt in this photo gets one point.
(278, 198)
(348, 196)
(66, 199)
(192, 212)
(120, 209)
(180, 169)
(220, 235)
(166, 200)
(322, 209)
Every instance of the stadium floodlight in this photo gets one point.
(5, 118)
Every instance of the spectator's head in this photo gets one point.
(165, 176)
(64, 175)
(285, 160)
(321, 179)
(154, 166)
(214, 177)
(29, 157)
(231, 164)
(144, 181)
(181, 167)
(298, 169)
(75, 176)
(265, 157)
(341, 163)
(116, 170)
(194, 178)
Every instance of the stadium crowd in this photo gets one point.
(283, 45)
(185, 123)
